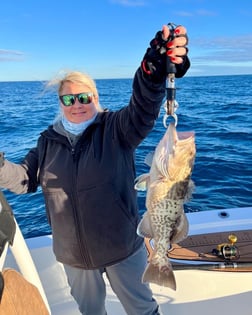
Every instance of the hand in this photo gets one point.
(176, 48)
(166, 45)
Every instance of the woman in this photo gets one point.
(85, 165)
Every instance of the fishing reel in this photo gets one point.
(227, 251)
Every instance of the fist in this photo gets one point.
(176, 48)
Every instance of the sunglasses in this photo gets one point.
(70, 99)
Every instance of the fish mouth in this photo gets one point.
(174, 155)
(184, 135)
(179, 135)
(174, 138)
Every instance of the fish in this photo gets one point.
(169, 186)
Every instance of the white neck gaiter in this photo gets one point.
(74, 128)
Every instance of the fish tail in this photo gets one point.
(163, 276)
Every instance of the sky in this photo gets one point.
(108, 38)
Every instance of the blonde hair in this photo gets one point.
(78, 78)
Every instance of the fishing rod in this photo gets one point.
(170, 104)
(223, 266)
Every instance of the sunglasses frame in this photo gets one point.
(77, 96)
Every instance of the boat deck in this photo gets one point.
(198, 291)
(203, 247)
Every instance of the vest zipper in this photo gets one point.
(81, 240)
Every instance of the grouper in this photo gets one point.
(168, 186)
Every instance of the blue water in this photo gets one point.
(217, 108)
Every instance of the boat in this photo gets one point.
(213, 267)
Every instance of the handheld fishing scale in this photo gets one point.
(170, 104)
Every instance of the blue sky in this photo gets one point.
(108, 38)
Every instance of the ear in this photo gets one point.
(96, 102)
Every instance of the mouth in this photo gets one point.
(79, 113)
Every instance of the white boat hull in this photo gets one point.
(198, 291)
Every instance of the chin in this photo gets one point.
(78, 120)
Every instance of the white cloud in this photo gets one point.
(200, 12)
(183, 13)
(130, 3)
(11, 55)
(224, 49)
(203, 12)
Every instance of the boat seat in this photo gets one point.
(20, 297)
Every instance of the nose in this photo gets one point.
(77, 103)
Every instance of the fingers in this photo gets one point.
(176, 54)
(166, 32)
(176, 59)
(180, 37)
(178, 51)
(176, 47)
(180, 30)
(178, 41)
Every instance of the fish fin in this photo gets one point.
(163, 276)
(141, 182)
(181, 230)
(144, 228)
(190, 190)
(149, 158)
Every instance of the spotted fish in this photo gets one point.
(169, 186)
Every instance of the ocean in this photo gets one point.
(217, 108)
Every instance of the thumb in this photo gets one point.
(166, 32)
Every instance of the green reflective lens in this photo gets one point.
(84, 98)
(69, 99)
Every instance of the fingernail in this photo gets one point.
(173, 59)
(169, 44)
(169, 52)
(177, 31)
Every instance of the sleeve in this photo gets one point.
(135, 121)
(21, 178)
(183, 67)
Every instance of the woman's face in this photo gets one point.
(78, 112)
